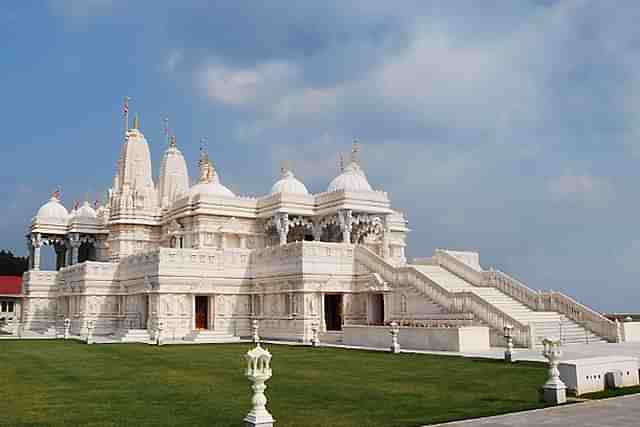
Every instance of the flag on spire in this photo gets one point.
(125, 114)
(125, 107)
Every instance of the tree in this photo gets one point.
(11, 265)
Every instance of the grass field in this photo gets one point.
(70, 383)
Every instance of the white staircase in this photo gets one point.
(133, 335)
(210, 337)
(459, 287)
(545, 323)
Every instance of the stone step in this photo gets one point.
(133, 335)
(210, 337)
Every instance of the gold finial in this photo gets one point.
(56, 193)
(136, 122)
(173, 141)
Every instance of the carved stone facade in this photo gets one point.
(202, 258)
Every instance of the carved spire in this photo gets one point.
(56, 193)
(340, 163)
(207, 171)
(172, 143)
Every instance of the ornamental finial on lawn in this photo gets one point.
(258, 371)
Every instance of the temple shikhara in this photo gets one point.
(203, 263)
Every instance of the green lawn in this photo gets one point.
(69, 383)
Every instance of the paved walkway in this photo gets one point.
(617, 412)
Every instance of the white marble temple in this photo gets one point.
(204, 262)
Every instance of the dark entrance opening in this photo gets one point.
(202, 311)
(333, 312)
(377, 309)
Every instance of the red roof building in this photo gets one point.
(10, 285)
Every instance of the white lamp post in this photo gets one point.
(258, 371)
(508, 336)
(160, 328)
(555, 391)
(90, 326)
(67, 327)
(394, 331)
(314, 334)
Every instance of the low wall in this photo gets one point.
(631, 331)
(589, 375)
(463, 339)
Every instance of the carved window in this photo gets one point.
(403, 304)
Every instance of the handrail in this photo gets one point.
(459, 268)
(455, 302)
(553, 301)
(514, 288)
(587, 317)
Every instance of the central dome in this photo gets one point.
(288, 183)
(352, 178)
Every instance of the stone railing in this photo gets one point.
(459, 268)
(514, 288)
(588, 318)
(454, 302)
(552, 301)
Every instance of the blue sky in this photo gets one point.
(510, 128)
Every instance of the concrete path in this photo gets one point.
(616, 412)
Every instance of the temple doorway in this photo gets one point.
(202, 311)
(144, 311)
(376, 309)
(333, 312)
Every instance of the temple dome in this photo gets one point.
(209, 182)
(52, 212)
(86, 212)
(288, 183)
(352, 178)
(213, 188)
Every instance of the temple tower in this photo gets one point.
(174, 177)
(134, 209)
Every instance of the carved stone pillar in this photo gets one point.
(344, 219)
(36, 242)
(317, 231)
(74, 243)
(282, 226)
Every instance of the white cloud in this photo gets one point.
(582, 189)
(252, 88)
